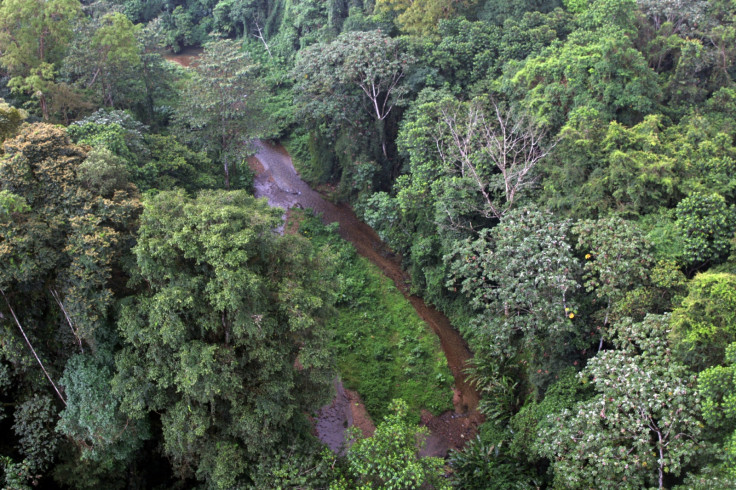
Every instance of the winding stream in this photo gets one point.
(277, 180)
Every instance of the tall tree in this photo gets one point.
(707, 225)
(599, 69)
(33, 37)
(417, 17)
(356, 69)
(476, 149)
(642, 426)
(227, 341)
(221, 108)
(105, 58)
(61, 248)
(520, 278)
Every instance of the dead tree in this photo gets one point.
(493, 148)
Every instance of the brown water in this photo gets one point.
(278, 181)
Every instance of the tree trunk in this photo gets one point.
(227, 173)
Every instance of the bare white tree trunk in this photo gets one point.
(20, 327)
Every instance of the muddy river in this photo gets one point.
(278, 181)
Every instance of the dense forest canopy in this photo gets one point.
(557, 177)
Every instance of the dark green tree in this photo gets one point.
(227, 341)
(105, 60)
(357, 71)
(61, 249)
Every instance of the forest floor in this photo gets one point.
(277, 180)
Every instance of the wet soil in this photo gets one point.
(345, 410)
(185, 56)
(278, 181)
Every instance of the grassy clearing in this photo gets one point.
(384, 350)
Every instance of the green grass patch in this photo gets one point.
(383, 349)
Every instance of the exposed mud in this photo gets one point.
(185, 56)
(278, 181)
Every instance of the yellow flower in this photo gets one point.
(587, 256)
(571, 315)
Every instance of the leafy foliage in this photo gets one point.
(708, 225)
(92, 417)
(389, 459)
(704, 325)
(227, 343)
(597, 69)
(221, 110)
(358, 68)
(521, 278)
(33, 37)
(641, 427)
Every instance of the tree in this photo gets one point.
(520, 279)
(510, 142)
(92, 419)
(602, 167)
(617, 260)
(476, 157)
(599, 69)
(718, 387)
(33, 37)
(707, 224)
(221, 108)
(389, 459)
(642, 426)
(105, 58)
(499, 11)
(157, 76)
(418, 17)
(357, 68)
(61, 249)
(10, 120)
(705, 323)
(226, 341)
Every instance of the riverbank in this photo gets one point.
(278, 181)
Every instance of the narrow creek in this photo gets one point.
(277, 180)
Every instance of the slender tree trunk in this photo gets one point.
(227, 173)
(28, 342)
(661, 461)
(44, 107)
